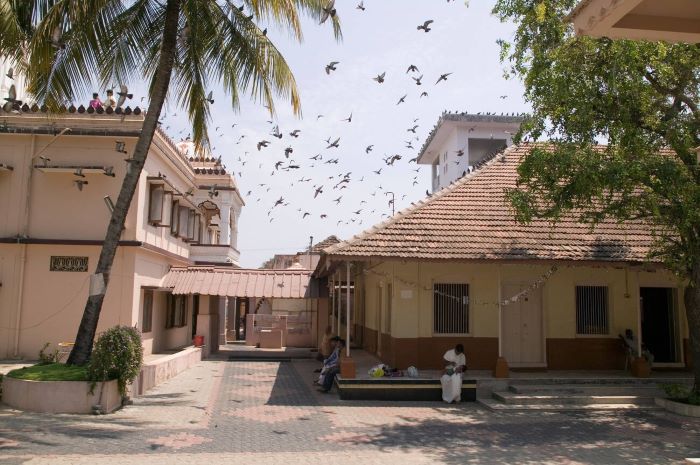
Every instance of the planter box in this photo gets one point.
(59, 396)
(679, 407)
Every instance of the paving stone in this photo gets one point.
(270, 412)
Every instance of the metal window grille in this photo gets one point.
(592, 310)
(450, 308)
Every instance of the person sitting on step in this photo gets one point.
(332, 371)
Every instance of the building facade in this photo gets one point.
(457, 268)
(460, 141)
(61, 171)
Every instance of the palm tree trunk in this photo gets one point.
(98, 283)
(691, 298)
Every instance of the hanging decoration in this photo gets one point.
(535, 285)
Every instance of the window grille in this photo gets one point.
(450, 308)
(147, 318)
(592, 310)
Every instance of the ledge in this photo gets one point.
(678, 408)
(59, 396)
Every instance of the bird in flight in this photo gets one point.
(348, 119)
(423, 94)
(425, 26)
(335, 143)
(295, 133)
(288, 151)
(380, 77)
(402, 100)
(361, 6)
(331, 66)
(412, 69)
(369, 148)
(319, 190)
(276, 132)
(328, 12)
(413, 129)
(337, 201)
(418, 79)
(443, 77)
(263, 143)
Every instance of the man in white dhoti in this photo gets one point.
(451, 379)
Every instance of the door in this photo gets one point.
(659, 324)
(521, 323)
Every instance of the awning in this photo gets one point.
(224, 281)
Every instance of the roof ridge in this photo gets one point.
(478, 169)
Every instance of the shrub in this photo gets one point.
(47, 357)
(117, 355)
(680, 393)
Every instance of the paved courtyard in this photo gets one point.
(269, 413)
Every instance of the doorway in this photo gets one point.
(659, 323)
(521, 326)
(241, 316)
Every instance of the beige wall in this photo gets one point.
(411, 313)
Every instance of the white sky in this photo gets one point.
(383, 38)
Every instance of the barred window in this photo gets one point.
(147, 317)
(592, 310)
(176, 315)
(450, 308)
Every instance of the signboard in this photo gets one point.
(68, 263)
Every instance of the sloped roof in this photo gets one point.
(327, 242)
(472, 220)
(225, 281)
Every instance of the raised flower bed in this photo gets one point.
(57, 388)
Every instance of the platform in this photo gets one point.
(399, 389)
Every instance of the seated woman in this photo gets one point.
(451, 379)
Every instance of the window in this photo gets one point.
(147, 316)
(176, 315)
(191, 220)
(155, 205)
(174, 216)
(450, 308)
(592, 310)
(183, 222)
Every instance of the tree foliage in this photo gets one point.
(638, 98)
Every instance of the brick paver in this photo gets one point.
(269, 412)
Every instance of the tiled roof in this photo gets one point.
(327, 242)
(472, 220)
(226, 281)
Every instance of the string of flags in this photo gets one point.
(510, 300)
(535, 285)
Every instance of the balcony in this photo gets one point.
(214, 254)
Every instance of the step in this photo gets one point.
(528, 399)
(585, 389)
(495, 405)
(602, 381)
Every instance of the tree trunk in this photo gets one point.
(691, 298)
(99, 281)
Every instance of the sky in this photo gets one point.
(381, 39)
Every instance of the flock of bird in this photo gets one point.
(325, 183)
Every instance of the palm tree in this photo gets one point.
(178, 46)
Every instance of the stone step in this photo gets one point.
(565, 399)
(495, 405)
(611, 381)
(586, 389)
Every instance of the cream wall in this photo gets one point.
(411, 315)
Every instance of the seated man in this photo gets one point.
(329, 375)
(331, 360)
(451, 379)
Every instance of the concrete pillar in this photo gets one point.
(208, 323)
(225, 225)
